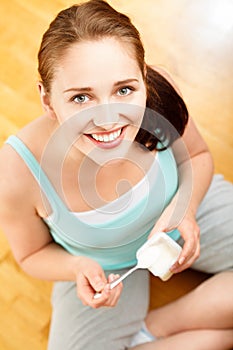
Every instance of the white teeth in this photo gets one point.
(107, 137)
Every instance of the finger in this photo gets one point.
(189, 262)
(103, 298)
(112, 277)
(97, 279)
(110, 295)
(194, 257)
(90, 283)
(105, 291)
(84, 289)
(117, 289)
(115, 292)
(188, 251)
(189, 247)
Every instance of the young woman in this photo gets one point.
(114, 159)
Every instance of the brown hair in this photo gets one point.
(94, 20)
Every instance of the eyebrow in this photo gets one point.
(118, 83)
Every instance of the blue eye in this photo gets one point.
(125, 91)
(80, 99)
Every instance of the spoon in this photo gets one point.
(158, 254)
(121, 278)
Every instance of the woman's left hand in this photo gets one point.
(189, 231)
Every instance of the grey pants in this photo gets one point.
(78, 327)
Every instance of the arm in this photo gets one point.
(33, 247)
(195, 167)
(195, 164)
(195, 174)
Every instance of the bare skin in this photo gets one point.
(194, 321)
(28, 235)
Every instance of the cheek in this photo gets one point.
(78, 124)
(135, 113)
(140, 105)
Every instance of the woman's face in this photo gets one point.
(103, 74)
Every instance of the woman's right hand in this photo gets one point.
(90, 279)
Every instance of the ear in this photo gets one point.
(145, 78)
(145, 70)
(45, 100)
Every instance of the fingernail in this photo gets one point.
(172, 268)
(107, 288)
(111, 277)
(181, 260)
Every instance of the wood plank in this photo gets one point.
(193, 41)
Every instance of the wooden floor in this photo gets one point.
(193, 41)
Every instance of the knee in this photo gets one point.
(218, 290)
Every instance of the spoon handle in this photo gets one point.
(122, 277)
(118, 280)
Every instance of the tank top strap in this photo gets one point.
(36, 170)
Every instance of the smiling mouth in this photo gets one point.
(106, 137)
(107, 140)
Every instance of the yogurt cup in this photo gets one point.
(158, 254)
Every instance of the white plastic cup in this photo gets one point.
(158, 254)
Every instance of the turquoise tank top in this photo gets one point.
(112, 234)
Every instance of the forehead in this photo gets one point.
(98, 58)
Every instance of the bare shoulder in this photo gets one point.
(19, 202)
(16, 179)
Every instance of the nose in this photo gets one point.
(106, 116)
